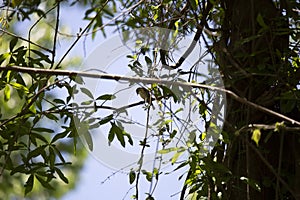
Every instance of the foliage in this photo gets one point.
(255, 46)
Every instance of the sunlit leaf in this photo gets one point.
(148, 175)
(176, 156)
(256, 136)
(7, 93)
(168, 150)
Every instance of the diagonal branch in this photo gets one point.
(81, 34)
(196, 38)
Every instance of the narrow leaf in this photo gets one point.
(87, 92)
(256, 136)
(61, 175)
(168, 150)
(7, 93)
(132, 176)
(106, 119)
(106, 97)
(13, 43)
(29, 184)
(44, 183)
(88, 139)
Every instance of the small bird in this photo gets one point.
(145, 94)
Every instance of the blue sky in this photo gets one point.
(90, 184)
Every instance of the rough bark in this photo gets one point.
(252, 69)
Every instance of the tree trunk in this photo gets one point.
(252, 68)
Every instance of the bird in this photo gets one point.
(145, 94)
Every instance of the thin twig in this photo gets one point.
(24, 39)
(100, 28)
(105, 24)
(141, 160)
(55, 34)
(31, 28)
(81, 34)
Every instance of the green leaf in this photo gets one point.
(3, 57)
(51, 116)
(32, 108)
(59, 101)
(18, 169)
(29, 184)
(58, 153)
(88, 139)
(20, 87)
(88, 102)
(77, 79)
(6, 93)
(203, 136)
(43, 130)
(129, 139)
(106, 119)
(256, 136)
(106, 97)
(120, 135)
(51, 157)
(261, 22)
(148, 60)
(168, 150)
(36, 152)
(168, 92)
(41, 55)
(148, 175)
(176, 156)
(87, 92)
(83, 129)
(150, 198)
(111, 134)
(279, 126)
(34, 136)
(181, 166)
(132, 176)
(44, 183)
(61, 175)
(13, 43)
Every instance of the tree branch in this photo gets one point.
(147, 81)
